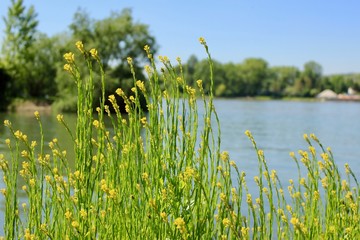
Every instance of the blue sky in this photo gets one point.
(283, 32)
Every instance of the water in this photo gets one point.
(278, 128)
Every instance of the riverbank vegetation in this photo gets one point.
(162, 174)
(31, 64)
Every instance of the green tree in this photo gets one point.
(234, 80)
(308, 84)
(202, 72)
(20, 30)
(282, 79)
(337, 83)
(116, 38)
(45, 54)
(254, 72)
(189, 70)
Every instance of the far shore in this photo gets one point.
(35, 105)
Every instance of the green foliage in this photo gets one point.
(280, 80)
(189, 70)
(5, 80)
(45, 55)
(254, 72)
(20, 30)
(253, 77)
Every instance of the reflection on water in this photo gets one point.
(278, 127)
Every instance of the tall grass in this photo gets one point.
(162, 174)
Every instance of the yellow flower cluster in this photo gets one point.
(80, 46)
(226, 222)
(94, 53)
(187, 174)
(119, 92)
(19, 135)
(69, 57)
(140, 84)
(225, 156)
(202, 41)
(180, 224)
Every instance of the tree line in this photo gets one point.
(31, 63)
(254, 77)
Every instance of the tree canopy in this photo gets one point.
(34, 63)
(20, 31)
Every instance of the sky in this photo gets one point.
(282, 32)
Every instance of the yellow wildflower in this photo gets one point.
(294, 221)
(75, 224)
(37, 114)
(69, 57)
(226, 222)
(3, 191)
(248, 198)
(119, 92)
(163, 216)
(68, 68)
(7, 123)
(347, 168)
(32, 182)
(96, 123)
(245, 231)
(316, 195)
(145, 176)
(140, 85)
(312, 150)
(180, 224)
(60, 118)
(223, 197)
(83, 213)
(68, 214)
(224, 156)
(94, 53)
(28, 235)
(80, 46)
(306, 137)
(112, 193)
(302, 181)
(25, 153)
(312, 135)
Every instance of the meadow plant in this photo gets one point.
(161, 173)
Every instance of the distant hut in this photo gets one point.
(327, 94)
(351, 91)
